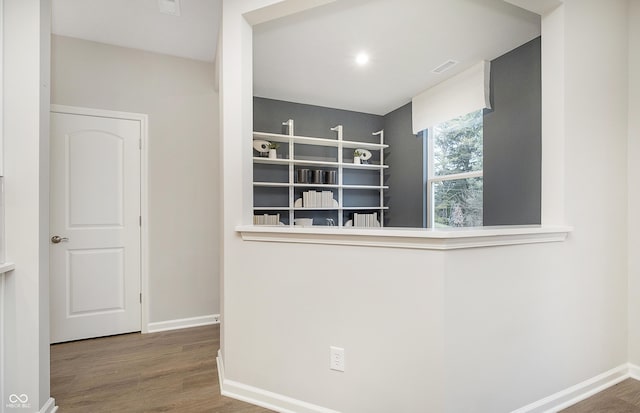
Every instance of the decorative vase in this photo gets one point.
(356, 160)
(273, 154)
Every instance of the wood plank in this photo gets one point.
(176, 371)
(169, 371)
(624, 397)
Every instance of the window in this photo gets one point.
(454, 172)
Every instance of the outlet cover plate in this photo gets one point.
(336, 358)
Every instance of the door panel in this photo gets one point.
(95, 176)
(95, 209)
(96, 281)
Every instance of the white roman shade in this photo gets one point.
(463, 93)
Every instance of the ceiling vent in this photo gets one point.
(171, 7)
(445, 66)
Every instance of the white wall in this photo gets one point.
(178, 95)
(480, 330)
(633, 155)
(26, 134)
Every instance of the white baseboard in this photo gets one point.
(634, 371)
(264, 398)
(550, 404)
(183, 323)
(49, 406)
(579, 392)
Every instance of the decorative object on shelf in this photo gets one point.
(364, 221)
(273, 154)
(266, 219)
(331, 222)
(261, 146)
(302, 176)
(317, 176)
(318, 199)
(303, 222)
(356, 156)
(364, 156)
(299, 204)
(330, 177)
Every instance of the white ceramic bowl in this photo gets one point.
(303, 222)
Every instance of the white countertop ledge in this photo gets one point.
(6, 267)
(412, 238)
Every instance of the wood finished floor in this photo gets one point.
(624, 397)
(173, 371)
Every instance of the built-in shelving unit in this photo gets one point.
(357, 187)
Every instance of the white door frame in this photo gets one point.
(144, 194)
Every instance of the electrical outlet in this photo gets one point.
(336, 358)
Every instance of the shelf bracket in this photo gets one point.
(289, 125)
(338, 129)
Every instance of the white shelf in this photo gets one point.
(374, 187)
(306, 140)
(286, 208)
(273, 184)
(258, 159)
(361, 166)
(346, 208)
(340, 161)
(318, 209)
(349, 165)
(317, 186)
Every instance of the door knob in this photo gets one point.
(56, 239)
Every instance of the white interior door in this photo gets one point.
(95, 226)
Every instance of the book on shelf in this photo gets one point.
(266, 219)
(365, 220)
(318, 199)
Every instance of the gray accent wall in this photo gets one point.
(512, 145)
(512, 139)
(404, 156)
(404, 176)
(314, 121)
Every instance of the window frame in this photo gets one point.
(431, 178)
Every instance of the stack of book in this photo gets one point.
(365, 220)
(317, 199)
(266, 219)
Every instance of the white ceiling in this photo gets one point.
(309, 57)
(138, 24)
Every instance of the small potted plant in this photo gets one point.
(356, 157)
(272, 150)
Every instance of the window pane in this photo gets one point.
(457, 145)
(457, 203)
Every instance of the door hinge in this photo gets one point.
(140, 220)
(140, 298)
(139, 143)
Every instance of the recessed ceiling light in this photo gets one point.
(362, 59)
